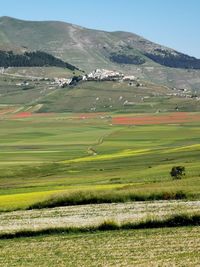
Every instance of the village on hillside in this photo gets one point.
(96, 75)
(112, 75)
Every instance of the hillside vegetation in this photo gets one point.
(31, 59)
(90, 49)
(27, 89)
(177, 60)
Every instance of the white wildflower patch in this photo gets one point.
(86, 215)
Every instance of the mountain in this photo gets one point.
(90, 49)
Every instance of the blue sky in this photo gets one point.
(174, 23)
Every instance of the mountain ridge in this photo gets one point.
(89, 49)
(134, 41)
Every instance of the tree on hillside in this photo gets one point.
(177, 172)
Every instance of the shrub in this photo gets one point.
(177, 172)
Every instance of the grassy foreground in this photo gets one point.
(149, 247)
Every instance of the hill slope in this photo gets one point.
(89, 49)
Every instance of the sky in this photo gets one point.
(173, 23)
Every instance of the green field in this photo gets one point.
(45, 155)
(152, 247)
(53, 160)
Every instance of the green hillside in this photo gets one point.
(90, 49)
(27, 91)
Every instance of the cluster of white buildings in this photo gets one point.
(96, 75)
(183, 93)
(62, 82)
(103, 75)
(107, 75)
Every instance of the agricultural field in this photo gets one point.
(63, 175)
(147, 247)
(45, 156)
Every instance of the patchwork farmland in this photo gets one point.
(60, 170)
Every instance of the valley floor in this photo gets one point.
(47, 160)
